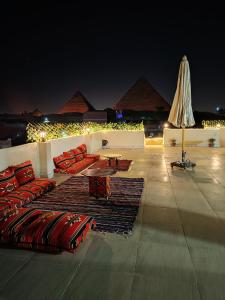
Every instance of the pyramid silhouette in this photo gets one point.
(78, 103)
(142, 96)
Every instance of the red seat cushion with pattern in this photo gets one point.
(77, 167)
(70, 156)
(77, 153)
(24, 172)
(93, 156)
(51, 231)
(83, 149)
(26, 193)
(3, 206)
(8, 182)
(62, 162)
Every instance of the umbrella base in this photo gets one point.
(183, 164)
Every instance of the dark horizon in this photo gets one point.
(48, 53)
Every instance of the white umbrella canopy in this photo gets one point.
(181, 114)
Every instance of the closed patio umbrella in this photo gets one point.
(181, 114)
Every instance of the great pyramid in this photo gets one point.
(142, 97)
(78, 103)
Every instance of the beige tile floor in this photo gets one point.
(177, 250)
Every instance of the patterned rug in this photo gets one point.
(123, 164)
(114, 215)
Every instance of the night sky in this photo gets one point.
(48, 52)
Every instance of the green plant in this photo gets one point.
(211, 142)
(104, 143)
(59, 130)
(213, 123)
(173, 142)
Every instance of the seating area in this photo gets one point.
(18, 185)
(74, 160)
(37, 229)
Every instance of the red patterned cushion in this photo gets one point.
(52, 231)
(3, 206)
(8, 182)
(26, 193)
(70, 156)
(77, 153)
(24, 172)
(62, 162)
(99, 187)
(18, 198)
(93, 156)
(83, 149)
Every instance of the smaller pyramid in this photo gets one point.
(142, 96)
(37, 113)
(77, 104)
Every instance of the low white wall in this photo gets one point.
(192, 136)
(222, 137)
(124, 139)
(41, 154)
(16, 155)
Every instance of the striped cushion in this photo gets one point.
(83, 149)
(77, 153)
(3, 206)
(62, 162)
(8, 182)
(51, 231)
(70, 156)
(26, 193)
(24, 172)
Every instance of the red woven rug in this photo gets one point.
(123, 164)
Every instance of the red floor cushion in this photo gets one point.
(27, 192)
(50, 231)
(62, 161)
(24, 172)
(70, 156)
(4, 205)
(83, 149)
(8, 182)
(93, 156)
(45, 184)
(77, 153)
(17, 198)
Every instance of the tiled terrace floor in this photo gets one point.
(177, 250)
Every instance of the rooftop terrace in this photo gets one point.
(177, 250)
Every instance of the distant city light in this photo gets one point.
(218, 125)
(46, 120)
(119, 115)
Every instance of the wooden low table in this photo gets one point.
(99, 182)
(112, 156)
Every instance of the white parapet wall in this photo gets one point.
(192, 136)
(124, 138)
(18, 154)
(222, 137)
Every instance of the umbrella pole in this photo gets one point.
(183, 163)
(183, 152)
